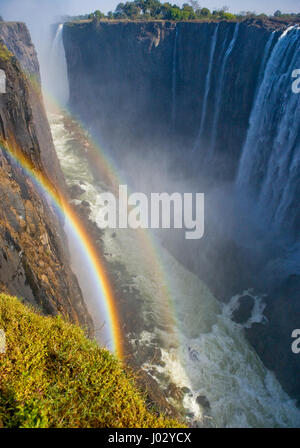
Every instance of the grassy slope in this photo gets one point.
(4, 53)
(53, 376)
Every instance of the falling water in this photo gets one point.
(270, 162)
(174, 76)
(221, 85)
(57, 79)
(207, 86)
(266, 58)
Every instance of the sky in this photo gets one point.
(18, 9)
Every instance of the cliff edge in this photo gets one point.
(34, 263)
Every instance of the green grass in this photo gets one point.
(5, 55)
(53, 376)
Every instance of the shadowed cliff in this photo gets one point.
(141, 83)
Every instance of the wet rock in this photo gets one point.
(243, 313)
(175, 392)
(155, 396)
(75, 191)
(185, 390)
(203, 401)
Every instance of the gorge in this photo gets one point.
(214, 104)
(198, 107)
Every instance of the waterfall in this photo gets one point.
(207, 86)
(270, 163)
(174, 75)
(57, 81)
(266, 57)
(220, 86)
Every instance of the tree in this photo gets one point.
(277, 13)
(119, 11)
(187, 12)
(165, 10)
(98, 15)
(153, 6)
(132, 10)
(228, 16)
(173, 13)
(205, 12)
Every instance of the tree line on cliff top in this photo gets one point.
(155, 10)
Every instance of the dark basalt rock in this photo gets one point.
(273, 340)
(243, 313)
(125, 93)
(75, 191)
(203, 401)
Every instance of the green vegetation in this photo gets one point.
(156, 10)
(4, 53)
(53, 376)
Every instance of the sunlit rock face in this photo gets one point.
(17, 39)
(34, 262)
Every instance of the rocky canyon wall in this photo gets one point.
(34, 261)
(189, 84)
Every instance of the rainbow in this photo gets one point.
(85, 244)
(99, 159)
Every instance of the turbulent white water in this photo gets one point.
(207, 353)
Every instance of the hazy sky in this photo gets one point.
(16, 9)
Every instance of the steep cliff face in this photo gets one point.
(16, 37)
(33, 259)
(186, 82)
